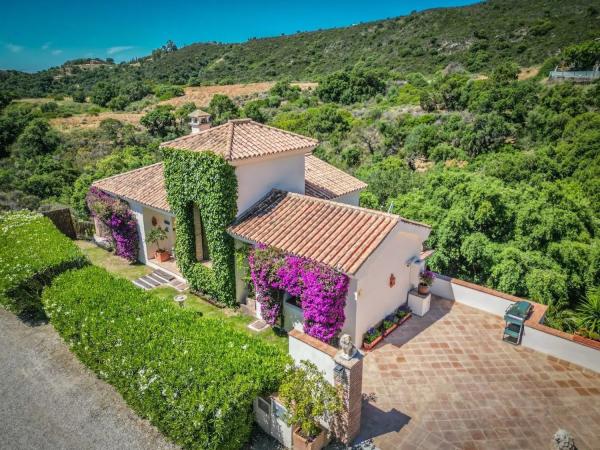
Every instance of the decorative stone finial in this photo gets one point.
(563, 440)
(347, 347)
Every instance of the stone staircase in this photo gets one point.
(160, 278)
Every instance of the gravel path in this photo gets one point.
(49, 400)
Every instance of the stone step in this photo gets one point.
(179, 285)
(163, 274)
(151, 281)
(157, 276)
(142, 284)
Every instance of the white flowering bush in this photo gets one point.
(193, 377)
(32, 252)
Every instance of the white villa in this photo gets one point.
(295, 202)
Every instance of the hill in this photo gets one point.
(479, 37)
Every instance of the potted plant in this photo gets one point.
(371, 338)
(156, 236)
(308, 397)
(402, 315)
(425, 281)
(389, 324)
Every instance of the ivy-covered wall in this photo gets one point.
(203, 180)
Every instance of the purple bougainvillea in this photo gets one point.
(321, 289)
(118, 218)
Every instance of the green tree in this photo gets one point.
(253, 110)
(222, 109)
(103, 92)
(38, 138)
(160, 121)
(351, 87)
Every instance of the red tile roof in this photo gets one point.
(323, 180)
(338, 235)
(146, 185)
(242, 139)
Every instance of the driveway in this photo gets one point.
(448, 381)
(49, 400)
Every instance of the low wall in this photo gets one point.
(537, 336)
(304, 347)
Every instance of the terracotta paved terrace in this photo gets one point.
(448, 381)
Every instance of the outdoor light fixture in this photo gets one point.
(180, 299)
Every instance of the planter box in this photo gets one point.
(405, 318)
(389, 330)
(419, 304)
(372, 345)
(299, 443)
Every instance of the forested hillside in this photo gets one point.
(479, 37)
(506, 170)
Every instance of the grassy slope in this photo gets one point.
(118, 266)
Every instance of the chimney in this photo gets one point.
(199, 121)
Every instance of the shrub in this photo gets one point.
(309, 396)
(32, 252)
(193, 378)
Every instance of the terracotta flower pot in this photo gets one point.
(370, 346)
(423, 289)
(299, 442)
(162, 255)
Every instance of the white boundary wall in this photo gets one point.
(300, 351)
(534, 338)
(562, 348)
(483, 301)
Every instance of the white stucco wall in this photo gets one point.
(300, 351)
(138, 212)
(471, 297)
(161, 217)
(349, 199)
(257, 178)
(375, 297)
(561, 348)
(350, 310)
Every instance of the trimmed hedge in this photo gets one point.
(32, 253)
(206, 181)
(194, 378)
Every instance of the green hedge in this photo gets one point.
(206, 181)
(194, 378)
(32, 252)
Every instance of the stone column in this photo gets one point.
(348, 375)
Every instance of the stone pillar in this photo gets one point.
(348, 375)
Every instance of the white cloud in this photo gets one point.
(46, 45)
(118, 49)
(56, 52)
(14, 48)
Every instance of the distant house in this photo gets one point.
(293, 201)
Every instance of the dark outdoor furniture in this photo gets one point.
(515, 317)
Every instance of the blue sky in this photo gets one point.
(35, 35)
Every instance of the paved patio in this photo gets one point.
(448, 381)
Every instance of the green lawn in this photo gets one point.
(123, 268)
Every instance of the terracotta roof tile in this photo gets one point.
(145, 185)
(323, 180)
(336, 234)
(242, 139)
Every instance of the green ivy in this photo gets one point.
(203, 180)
